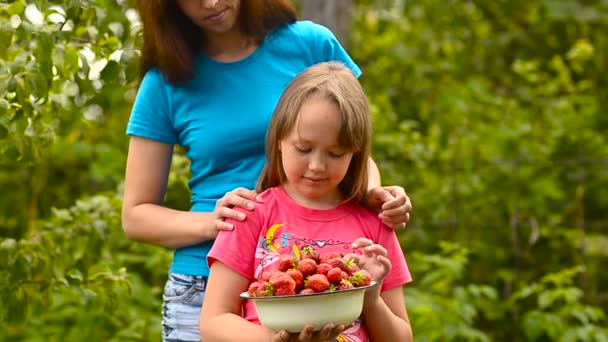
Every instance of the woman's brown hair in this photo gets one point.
(171, 40)
(336, 83)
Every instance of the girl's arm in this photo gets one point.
(385, 316)
(384, 313)
(143, 216)
(221, 314)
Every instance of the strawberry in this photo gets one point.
(338, 262)
(268, 274)
(307, 291)
(298, 277)
(329, 256)
(335, 275)
(345, 285)
(260, 289)
(307, 267)
(351, 265)
(253, 289)
(308, 252)
(323, 268)
(283, 284)
(360, 278)
(285, 262)
(318, 282)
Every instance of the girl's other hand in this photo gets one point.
(392, 203)
(373, 258)
(327, 333)
(239, 197)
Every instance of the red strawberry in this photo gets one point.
(338, 262)
(253, 289)
(329, 256)
(308, 252)
(307, 291)
(335, 275)
(351, 265)
(283, 284)
(360, 278)
(345, 285)
(323, 268)
(260, 289)
(318, 282)
(285, 262)
(298, 277)
(307, 267)
(268, 274)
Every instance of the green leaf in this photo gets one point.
(110, 73)
(16, 8)
(75, 274)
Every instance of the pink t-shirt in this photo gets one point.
(281, 226)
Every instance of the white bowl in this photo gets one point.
(293, 313)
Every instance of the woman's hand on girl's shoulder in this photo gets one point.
(224, 207)
(392, 203)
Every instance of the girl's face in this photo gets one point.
(212, 16)
(313, 161)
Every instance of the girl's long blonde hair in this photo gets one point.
(335, 82)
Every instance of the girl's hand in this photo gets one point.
(327, 333)
(373, 259)
(392, 203)
(239, 197)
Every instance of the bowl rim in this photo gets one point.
(245, 295)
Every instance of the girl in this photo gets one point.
(213, 72)
(312, 186)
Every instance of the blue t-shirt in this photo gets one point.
(221, 116)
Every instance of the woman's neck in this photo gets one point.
(229, 47)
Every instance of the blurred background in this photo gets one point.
(492, 114)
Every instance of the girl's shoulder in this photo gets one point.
(371, 219)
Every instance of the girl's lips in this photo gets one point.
(314, 179)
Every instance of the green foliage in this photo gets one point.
(447, 309)
(67, 75)
(76, 278)
(491, 114)
(560, 315)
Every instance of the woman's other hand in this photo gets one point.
(392, 203)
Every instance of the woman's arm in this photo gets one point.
(391, 202)
(385, 316)
(143, 216)
(374, 179)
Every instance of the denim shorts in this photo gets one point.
(182, 302)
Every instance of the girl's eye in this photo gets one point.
(336, 155)
(302, 150)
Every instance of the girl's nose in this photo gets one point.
(317, 163)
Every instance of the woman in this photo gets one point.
(212, 73)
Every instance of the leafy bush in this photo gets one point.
(491, 114)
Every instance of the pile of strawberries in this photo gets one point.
(310, 274)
